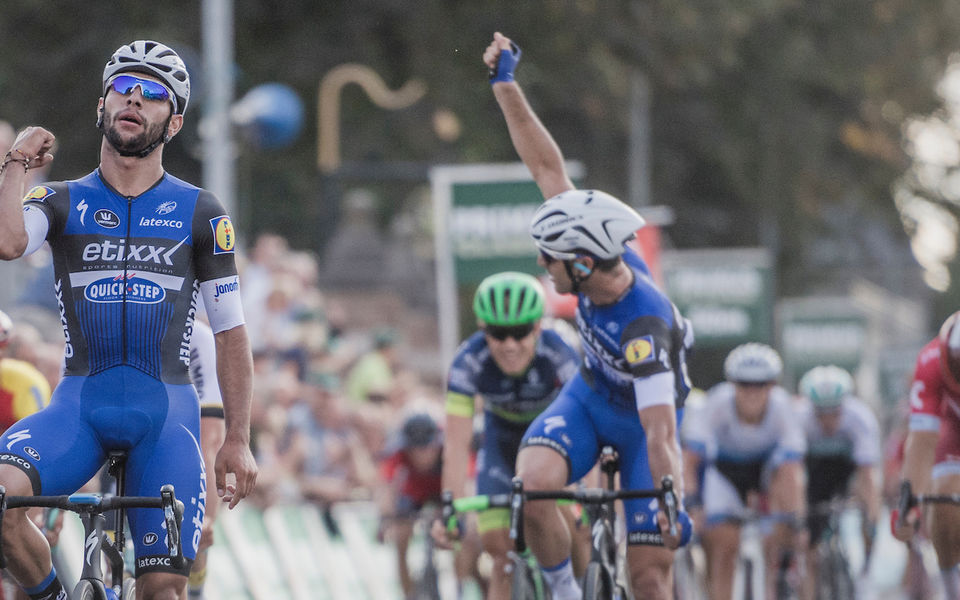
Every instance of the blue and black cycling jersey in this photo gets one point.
(129, 273)
(517, 399)
(128, 270)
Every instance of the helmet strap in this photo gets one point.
(577, 273)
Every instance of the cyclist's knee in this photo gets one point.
(541, 468)
(160, 586)
(651, 582)
(15, 481)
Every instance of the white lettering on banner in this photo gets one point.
(68, 349)
(824, 339)
(727, 284)
(719, 321)
(492, 230)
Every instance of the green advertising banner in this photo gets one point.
(481, 217)
(726, 293)
(820, 331)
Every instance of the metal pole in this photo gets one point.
(639, 156)
(218, 153)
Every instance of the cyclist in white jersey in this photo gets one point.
(203, 374)
(751, 442)
(843, 452)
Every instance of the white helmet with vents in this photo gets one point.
(152, 58)
(753, 363)
(826, 386)
(584, 222)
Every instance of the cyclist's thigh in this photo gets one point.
(721, 500)
(944, 519)
(496, 461)
(170, 453)
(56, 447)
(567, 427)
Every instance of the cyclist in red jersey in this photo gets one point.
(931, 461)
(412, 474)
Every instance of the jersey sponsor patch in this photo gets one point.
(115, 289)
(224, 236)
(106, 218)
(40, 192)
(639, 350)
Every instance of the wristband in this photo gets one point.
(506, 63)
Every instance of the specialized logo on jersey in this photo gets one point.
(40, 192)
(167, 207)
(18, 436)
(224, 236)
(551, 423)
(133, 288)
(82, 206)
(106, 218)
(639, 350)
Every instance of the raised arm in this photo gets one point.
(29, 151)
(532, 141)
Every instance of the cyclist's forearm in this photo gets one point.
(919, 452)
(212, 433)
(532, 141)
(663, 451)
(456, 454)
(235, 373)
(867, 490)
(13, 235)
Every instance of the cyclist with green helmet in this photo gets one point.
(843, 451)
(515, 368)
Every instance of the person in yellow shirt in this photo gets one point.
(23, 389)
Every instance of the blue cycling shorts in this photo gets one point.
(578, 424)
(497, 458)
(63, 446)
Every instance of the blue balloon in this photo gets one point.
(270, 115)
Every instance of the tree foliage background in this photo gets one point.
(775, 122)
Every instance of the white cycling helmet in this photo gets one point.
(753, 363)
(152, 58)
(584, 222)
(826, 386)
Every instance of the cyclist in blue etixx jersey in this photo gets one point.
(134, 250)
(751, 442)
(516, 368)
(630, 391)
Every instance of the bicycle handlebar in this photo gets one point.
(909, 500)
(97, 504)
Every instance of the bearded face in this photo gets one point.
(131, 143)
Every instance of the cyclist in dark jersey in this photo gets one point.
(516, 368)
(134, 249)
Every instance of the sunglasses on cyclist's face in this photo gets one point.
(149, 89)
(502, 332)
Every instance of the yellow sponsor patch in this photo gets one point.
(224, 235)
(39, 192)
(639, 350)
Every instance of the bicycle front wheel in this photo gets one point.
(89, 590)
(129, 589)
(596, 586)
